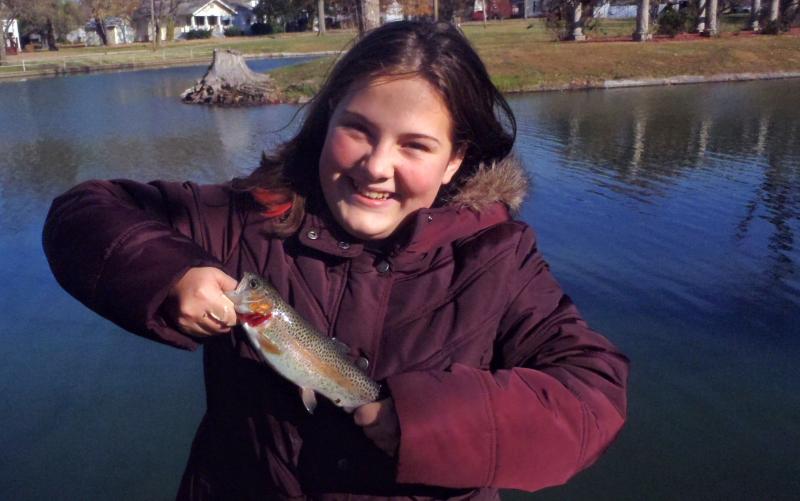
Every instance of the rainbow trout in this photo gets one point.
(312, 361)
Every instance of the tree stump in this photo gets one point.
(229, 82)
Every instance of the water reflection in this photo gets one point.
(654, 143)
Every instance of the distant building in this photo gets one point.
(11, 29)
(118, 31)
(393, 12)
(210, 15)
(244, 17)
(618, 10)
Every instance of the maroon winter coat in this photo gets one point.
(496, 379)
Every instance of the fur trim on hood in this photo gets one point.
(504, 181)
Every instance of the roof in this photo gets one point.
(189, 7)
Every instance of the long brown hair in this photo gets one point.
(483, 123)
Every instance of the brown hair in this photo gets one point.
(483, 123)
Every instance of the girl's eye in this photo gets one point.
(356, 128)
(419, 147)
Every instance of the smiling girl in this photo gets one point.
(387, 223)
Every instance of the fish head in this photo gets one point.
(254, 299)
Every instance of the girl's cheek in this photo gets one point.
(345, 149)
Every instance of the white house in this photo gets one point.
(118, 31)
(393, 12)
(11, 29)
(211, 15)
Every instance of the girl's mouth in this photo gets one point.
(371, 194)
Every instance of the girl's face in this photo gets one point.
(387, 151)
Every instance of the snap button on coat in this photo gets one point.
(313, 235)
(383, 267)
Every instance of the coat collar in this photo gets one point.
(431, 229)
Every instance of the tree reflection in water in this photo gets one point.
(647, 143)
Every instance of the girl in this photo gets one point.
(385, 223)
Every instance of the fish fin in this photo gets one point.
(340, 346)
(267, 345)
(309, 399)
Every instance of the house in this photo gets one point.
(244, 17)
(620, 10)
(118, 31)
(11, 29)
(211, 15)
(393, 12)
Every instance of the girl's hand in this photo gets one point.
(197, 305)
(380, 424)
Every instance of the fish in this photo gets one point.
(313, 361)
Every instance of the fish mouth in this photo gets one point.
(251, 305)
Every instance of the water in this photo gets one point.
(669, 215)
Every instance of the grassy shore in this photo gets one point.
(521, 55)
(524, 58)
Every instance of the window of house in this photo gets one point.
(200, 20)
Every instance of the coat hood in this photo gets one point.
(504, 181)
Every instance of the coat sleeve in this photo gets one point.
(554, 401)
(115, 246)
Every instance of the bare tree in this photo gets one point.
(7, 15)
(100, 10)
(321, 16)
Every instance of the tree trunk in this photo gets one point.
(229, 82)
(576, 22)
(790, 14)
(774, 10)
(51, 36)
(642, 32)
(3, 56)
(369, 15)
(321, 16)
(100, 28)
(711, 19)
(755, 11)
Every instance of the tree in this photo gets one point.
(276, 11)
(321, 16)
(100, 10)
(9, 11)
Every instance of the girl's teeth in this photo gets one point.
(375, 196)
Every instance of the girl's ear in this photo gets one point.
(453, 165)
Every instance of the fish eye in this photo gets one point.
(253, 283)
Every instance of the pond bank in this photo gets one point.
(64, 67)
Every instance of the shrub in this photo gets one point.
(198, 34)
(261, 29)
(233, 31)
(775, 27)
(671, 23)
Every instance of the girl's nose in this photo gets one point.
(379, 162)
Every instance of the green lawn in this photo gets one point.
(521, 55)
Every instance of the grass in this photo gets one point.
(521, 55)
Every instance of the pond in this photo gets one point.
(670, 215)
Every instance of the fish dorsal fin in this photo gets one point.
(309, 399)
(340, 346)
